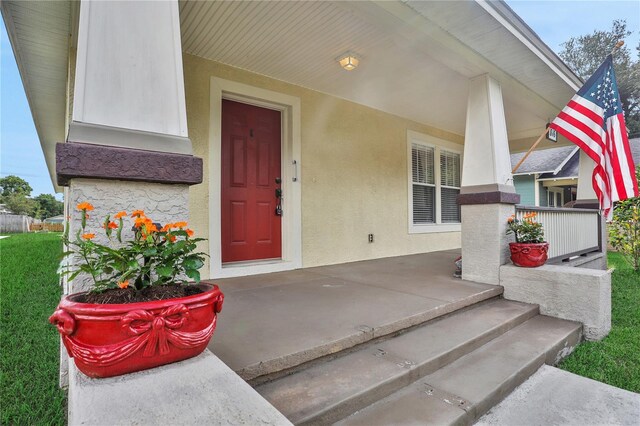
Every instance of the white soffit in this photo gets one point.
(410, 66)
(298, 42)
(39, 35)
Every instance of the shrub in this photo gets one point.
(624, 231)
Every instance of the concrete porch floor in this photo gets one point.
(276, 321)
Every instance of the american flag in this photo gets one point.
(593, 119)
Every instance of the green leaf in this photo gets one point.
(152, 251)
(193, 274)
(164, 271)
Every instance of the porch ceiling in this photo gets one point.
(412, 66)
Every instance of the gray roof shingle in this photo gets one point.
(543, 161)
(570, 169)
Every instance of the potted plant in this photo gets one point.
(530, 250)
(141, 312)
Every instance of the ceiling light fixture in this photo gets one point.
(349, 61)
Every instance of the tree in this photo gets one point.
(18, 203)
(584, 54)
(49, 206)
(14, 185)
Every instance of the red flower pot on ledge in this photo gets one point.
(112, 339)
(529, 255)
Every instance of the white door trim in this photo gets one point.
(291, 177)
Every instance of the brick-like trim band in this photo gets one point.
(494, 197)
(83, 160)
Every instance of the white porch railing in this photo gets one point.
(569, 232)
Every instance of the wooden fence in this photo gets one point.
(47, 227)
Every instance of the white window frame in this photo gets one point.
(555, 191)
(437, 144)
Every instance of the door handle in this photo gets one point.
(279, 205)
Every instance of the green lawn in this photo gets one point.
(29, 351)
(616, 358)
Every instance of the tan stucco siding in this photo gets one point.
(353, 167)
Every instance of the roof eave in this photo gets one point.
(519, 28)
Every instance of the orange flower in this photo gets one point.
(180, 225)
(120, 214)
(142, 221)
(138, 213)
(189, 232)
(511, 219)
(151, 227)
(88, 236)
(85, 206)
(171, 238)
(113, 225)
(167, 227)
(123, 284)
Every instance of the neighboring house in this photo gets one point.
(549, 177)
(54, 219)
(4, 209)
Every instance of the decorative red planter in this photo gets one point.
(110, 340)
(529, 255)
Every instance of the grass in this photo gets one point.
(29, 351)
(615, 360)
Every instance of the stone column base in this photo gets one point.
(161, 202)
(485, 244)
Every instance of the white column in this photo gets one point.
(486, 148)
(128, 133)
(487, 195)
(129, 85)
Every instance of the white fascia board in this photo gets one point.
(512, 22)
(532, 173)
(559, 178)
(566, 160)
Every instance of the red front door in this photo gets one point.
(251, 225)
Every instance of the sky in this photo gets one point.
(554, 21)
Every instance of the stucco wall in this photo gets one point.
(354, 168)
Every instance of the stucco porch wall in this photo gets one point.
(353, 167)
(576, 294)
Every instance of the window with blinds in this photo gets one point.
(449, 186)
(424, 188)
(435, 186)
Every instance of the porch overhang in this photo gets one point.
(416, 57)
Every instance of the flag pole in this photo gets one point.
(617, 46)
(530, 150)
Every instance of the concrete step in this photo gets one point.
(333, 389)
(467, 388)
